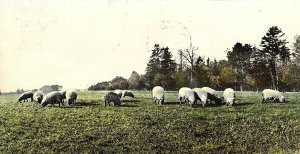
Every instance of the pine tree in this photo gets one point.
(277, 53)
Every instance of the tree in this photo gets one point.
(153, 66)
(276, 52)
(134, 81)
(100, 86)
(239, 59)
(118, 83)
(190, 56)
(0, 92)
(167, 69)
(227, 77)
(49, 88)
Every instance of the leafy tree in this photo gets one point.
(277, 53)
(227, 77)
(118, 83)
(239, 59)
(100, 86)
(134, 80)
(49, 88)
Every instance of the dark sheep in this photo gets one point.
(214, 98)
(25, 96)
(112, 97)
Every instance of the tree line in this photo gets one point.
(272, 64)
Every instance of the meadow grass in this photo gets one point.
(141, 126)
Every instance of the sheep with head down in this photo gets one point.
(202, 94)
(158, 93)
(52, 98)
(229, 96)
(272, 95)
(24, 96)
(212, 95)
(124, 93)
(112, 97)
(38, 96)
(70, 95)
(187, 95)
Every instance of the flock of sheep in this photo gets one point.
(185, 95)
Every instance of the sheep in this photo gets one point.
(52, 97)
(212, 95)
(112, 97)
(202, 95)
(187, 95)
(71, 96)
(127, 93)
(274, 95)
(24, 96)
(119, 92)
(229, 96)
(38, 96)
(158, 93)
(123, 93)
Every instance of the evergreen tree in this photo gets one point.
(277, 53)
(153, 66)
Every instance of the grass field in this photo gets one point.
(141, 126)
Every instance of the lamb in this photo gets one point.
(202, 95)
(187, 95)
(212, 95)
(112, 97)
(52, 97)
(229, 96)
(38, 96)
(25, 96)
(158, 93)
(71, 96)
(274, 95)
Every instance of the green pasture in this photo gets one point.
(141, 126)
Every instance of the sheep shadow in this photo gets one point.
(243, 104)
(128, 105)
(130, 100)
(171, 103)
(92, 103)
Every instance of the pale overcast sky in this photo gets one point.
(76, 43)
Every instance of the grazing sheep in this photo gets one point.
(187, 95)
(212, 95)
(158, 93)
(112, 97)
(38, 96)
(119, 92)
(25, 96)
(71, 96)
(272, 95)
(202, 95)
(52, 97)
(127, 93)
(229, 96)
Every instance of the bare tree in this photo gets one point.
(190, 56)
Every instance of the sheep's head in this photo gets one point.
(129, 93)
(161, 101)
(281, 99)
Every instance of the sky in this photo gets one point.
(77, 43)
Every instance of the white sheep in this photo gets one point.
(210, 90)
(158, 93)
(119, 92)
(202, 94)
(52, 97)
(187, 95)
(212, 95)
(38, 96)
(71, 96)
(123, 93)
(273, 95)
(229, 96)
